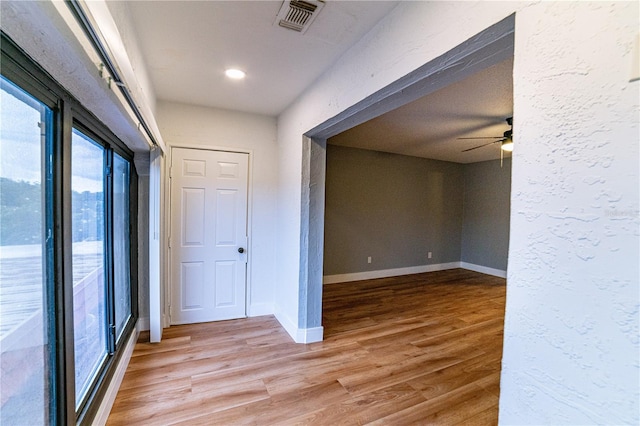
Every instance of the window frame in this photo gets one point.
(68, 113)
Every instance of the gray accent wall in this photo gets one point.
(141, 160)
(397, 208)
(485, 224)
(391, 207)
(143, 248)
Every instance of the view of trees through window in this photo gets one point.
(21, 214)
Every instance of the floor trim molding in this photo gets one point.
(299, 335)
(310, 335)
(386, 273)
(484, 270)
(112, 391)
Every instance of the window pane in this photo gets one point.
(122, 292)
(89, 300)
(24, 351)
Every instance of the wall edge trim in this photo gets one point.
(299, 335)
(114, 386)
(484, 269)
(310, 335)
(286, 323)
(385, 273)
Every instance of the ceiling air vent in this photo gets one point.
(298, 15)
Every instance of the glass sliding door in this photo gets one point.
(121, 237)
(89, 271)
(25, 271)
(67, 266)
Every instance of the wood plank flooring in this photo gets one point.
(419, 349)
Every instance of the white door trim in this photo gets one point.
(167, 219)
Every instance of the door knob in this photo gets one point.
(241, 250)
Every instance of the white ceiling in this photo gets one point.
(430, 126)
(187, 45)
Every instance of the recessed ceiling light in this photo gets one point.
(235, 74)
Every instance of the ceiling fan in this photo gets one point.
(506, 140)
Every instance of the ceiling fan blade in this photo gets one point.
(481, 146)
(483, 137)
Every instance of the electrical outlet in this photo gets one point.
(369, 259)
(429, 255)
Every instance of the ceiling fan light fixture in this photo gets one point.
(507, 145)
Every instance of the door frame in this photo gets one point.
(167, 221)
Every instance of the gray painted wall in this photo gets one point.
(391, 207)
(485, 224)
(396, 209)
(143, 248)
(142, 168)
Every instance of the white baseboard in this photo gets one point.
(260, 309)
(143, 324)
(310, 335)
(286, 323)
(484, 270)
(110, 395)
(385, 273)
(299, 335)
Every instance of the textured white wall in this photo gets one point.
(186, 125)
(288, 224)
(571, 338)
(571, 349)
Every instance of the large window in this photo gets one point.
(89, 293)
(24, 262)
(67, 285)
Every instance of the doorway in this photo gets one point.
(208, 235)
(490, 47)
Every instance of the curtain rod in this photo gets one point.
(100, 49)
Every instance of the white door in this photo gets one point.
(208, 236)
